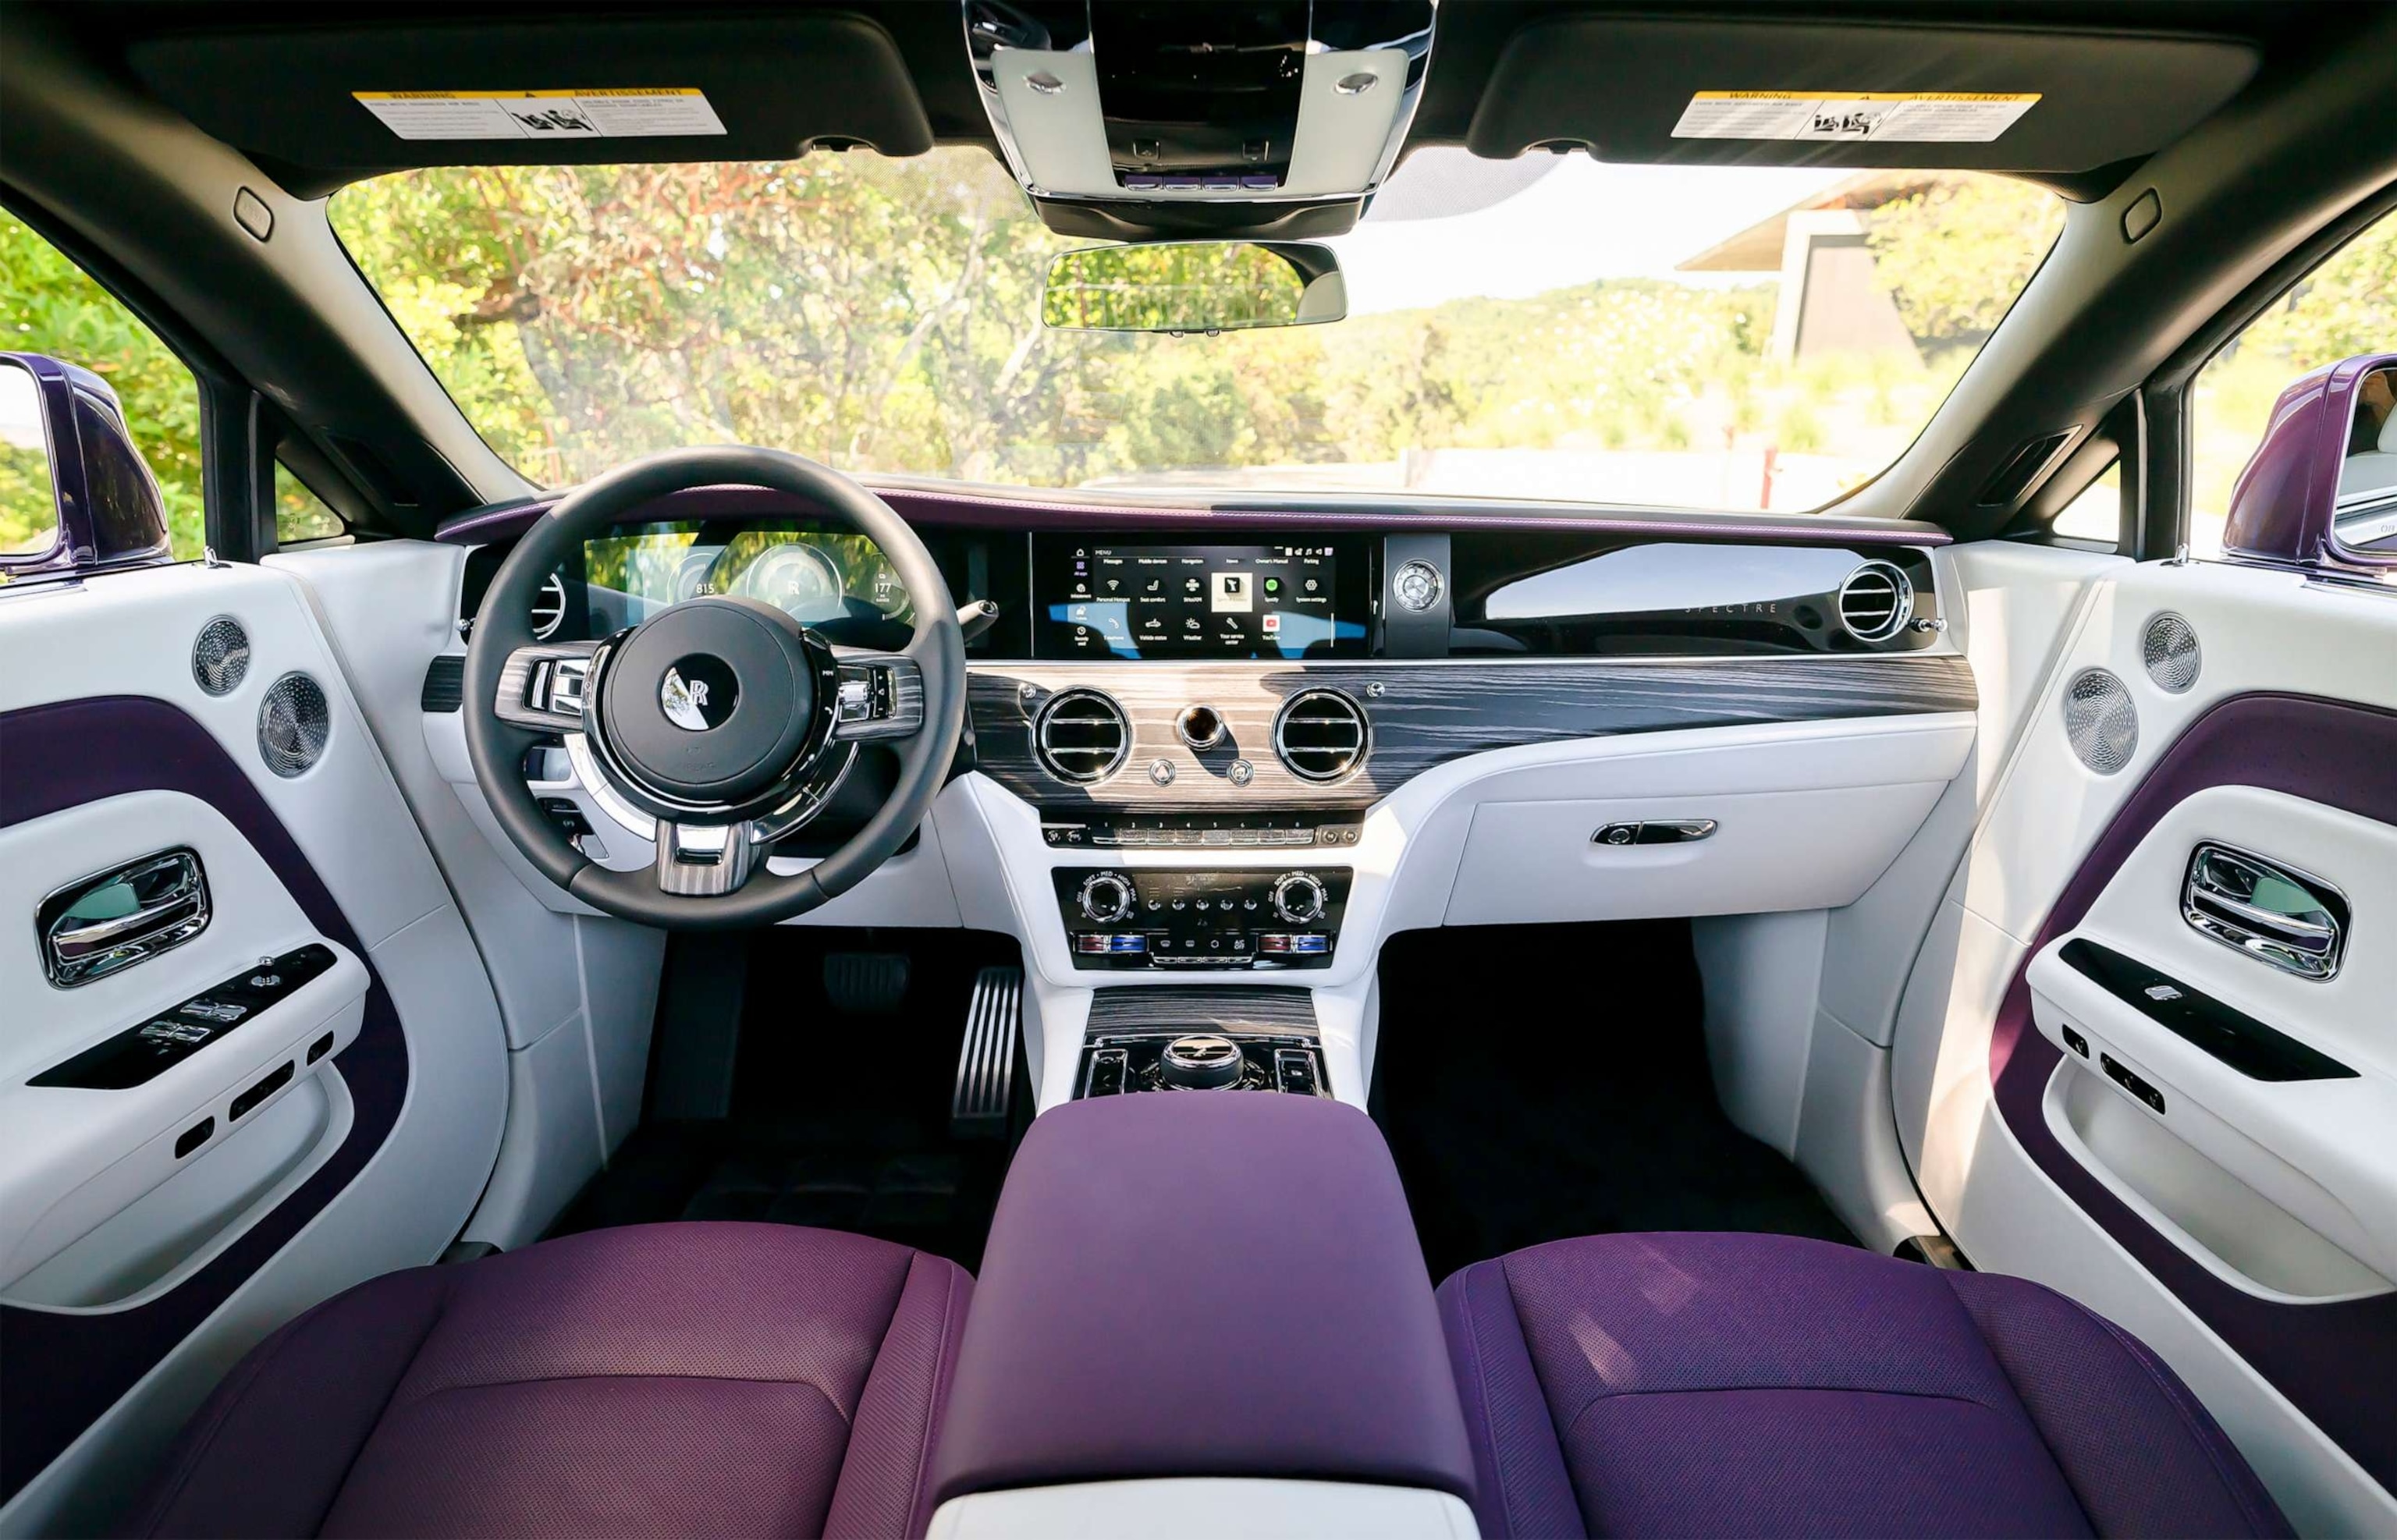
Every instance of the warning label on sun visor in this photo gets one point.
(633, 113)
(1910, 116)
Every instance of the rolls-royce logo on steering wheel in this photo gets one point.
(698, 694)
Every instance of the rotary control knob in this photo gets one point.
(1106, 898)
(1201, 727)
(1299, 898)
(1201, 1061)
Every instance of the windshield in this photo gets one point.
(1734, 338)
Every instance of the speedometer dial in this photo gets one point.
(798, 580)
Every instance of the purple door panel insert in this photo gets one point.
(2332, 1362)
(63, 1370)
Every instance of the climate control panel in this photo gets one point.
(1118, 918)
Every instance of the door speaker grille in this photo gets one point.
(220, 656)
(2169, 648)
(294, 721)
(1081, 736)
(2100, 721)
(1321, 735)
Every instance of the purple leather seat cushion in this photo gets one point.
(750, 1379)
(1203, 1284)
(1642, 1385)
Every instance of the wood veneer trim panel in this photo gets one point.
(1423, 715)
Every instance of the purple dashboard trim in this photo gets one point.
(63, 1370)
(1195, 1283)
(2283, 507)
(2330, 1361)
(935, 509)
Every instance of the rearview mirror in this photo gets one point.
(1194, 286)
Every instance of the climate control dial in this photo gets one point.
(1299, 898)
(1106, 898)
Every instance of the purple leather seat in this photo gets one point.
(664, 1379)
(1759, 1384)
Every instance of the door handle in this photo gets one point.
(122, 916)
(2272, 912)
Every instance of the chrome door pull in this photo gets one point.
(2272, 912)
(122, 916)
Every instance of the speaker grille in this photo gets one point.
(2100, 720)
(220, 656)
(293, 723)
(2169, 648)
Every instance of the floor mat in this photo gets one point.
(1573, 1098)
(839, 1114)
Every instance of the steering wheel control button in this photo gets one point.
(698, 692)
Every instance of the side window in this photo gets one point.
(298, 512)
(48, 305)
(2346, 306)
(28, 512)
(2096, 512)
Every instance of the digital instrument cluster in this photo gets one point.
(815, 577)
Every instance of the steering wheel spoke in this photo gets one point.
(880, 696)
(544, 687)
(705, 860)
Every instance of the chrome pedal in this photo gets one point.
(986, 1062)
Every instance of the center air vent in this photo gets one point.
(1321, 735)
(1081, 736)
(1876, 602)
(548, 608)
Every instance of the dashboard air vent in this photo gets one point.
(1321, 735)
(548, 608)
(1876, 602)
(1081, 736)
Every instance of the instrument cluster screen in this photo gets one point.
(1105, 598)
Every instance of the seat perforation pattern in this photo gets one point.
(663, 1379)
(1723, 1384)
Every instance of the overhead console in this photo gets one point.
(1274, 119)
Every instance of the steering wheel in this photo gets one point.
(718, 725)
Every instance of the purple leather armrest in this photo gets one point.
(1202, 1283)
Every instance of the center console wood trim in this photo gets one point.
(1423, 714)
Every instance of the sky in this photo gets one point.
(1580, 222)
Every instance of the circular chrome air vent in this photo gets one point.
(1080, 735)
(294, 721)
(1321, 735)
(1876, 602)
(2169, 649)
(220, 656)
(549, 607)
(2099, 720)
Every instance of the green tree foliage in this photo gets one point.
(48, 305)
(2345, 307)
(1954, 254)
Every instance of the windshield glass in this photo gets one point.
(1552, 326)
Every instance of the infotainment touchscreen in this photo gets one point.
(1132, 598)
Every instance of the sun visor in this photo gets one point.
(1782, 93)
(326, 106)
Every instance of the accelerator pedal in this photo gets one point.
(866, 983)
(986, 1062)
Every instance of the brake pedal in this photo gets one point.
(866, 983)
(986, 1062)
